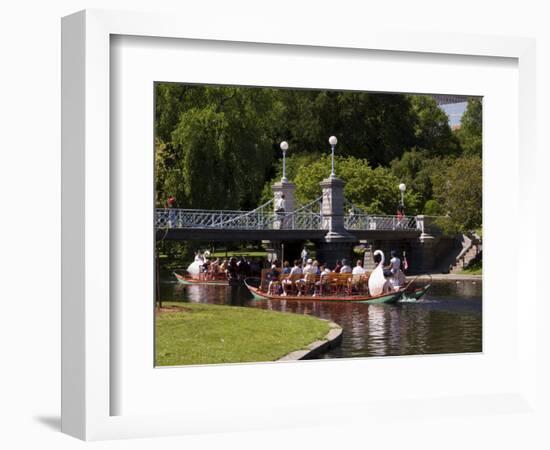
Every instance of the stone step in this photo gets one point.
(468, 257)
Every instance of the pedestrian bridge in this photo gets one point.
(262, 223)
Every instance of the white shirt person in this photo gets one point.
(345, 267)
(358, 269)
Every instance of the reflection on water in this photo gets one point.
(447, 320)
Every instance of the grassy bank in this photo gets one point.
(474, 269)
(190, 333)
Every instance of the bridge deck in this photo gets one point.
(212, 234)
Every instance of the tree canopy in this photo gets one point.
(432, 130)
(458, 192)
(372, 190)
(470, 131)
(217, 147)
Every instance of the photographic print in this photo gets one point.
(297, 224)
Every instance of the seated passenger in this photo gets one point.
(345, 267)
(286, 268)
(297, 269)
(215, 266)
(295, 273)
(358, 277)
(308, 272)
(223, 266)
(273, 278)
(323, 282)
(316, 267)
(358, 269)
(310, 268)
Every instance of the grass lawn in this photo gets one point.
(474, 269)
(194, 333)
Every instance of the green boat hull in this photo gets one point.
(389, 298)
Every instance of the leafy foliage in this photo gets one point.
(218, 147)
(470, 131)
(432, 130)
(219, 150)
(378, 127)
(458, 190)
(416, 168)
(373, 190)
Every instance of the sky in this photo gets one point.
(454, 111)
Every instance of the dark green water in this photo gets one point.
(447, 320)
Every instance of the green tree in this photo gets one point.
(218, 146)
(373, 190)
(458, 192)
(378, 127)
(171, 100)
(432, 130)
(293, 164)
(471, 127)
(416, 168)
(219, 150)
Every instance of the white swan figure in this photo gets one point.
(377, 281)
(195, 267)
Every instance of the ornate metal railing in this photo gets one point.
(264, 219)
(370, 222)
(297, 221)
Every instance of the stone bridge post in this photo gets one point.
(426, 246)
(287, 189)
(279, 189)
(337, 243)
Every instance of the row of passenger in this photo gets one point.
(316, 279)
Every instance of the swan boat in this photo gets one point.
(195, 275)
(342, 289)
(407, 292)
(190, 280)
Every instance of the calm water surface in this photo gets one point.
(447, 320)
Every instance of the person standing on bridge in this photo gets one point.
(280, 208)
(400, 215)
(170, 205)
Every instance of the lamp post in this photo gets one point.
(402, 188)
(332, 141)
(284, 148)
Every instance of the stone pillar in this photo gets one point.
(284, 251)
(425, 248)
(332, 210)
(288, 189)
(330, 252)
(368, 257)
(337, 243)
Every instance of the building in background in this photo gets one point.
(453, 105)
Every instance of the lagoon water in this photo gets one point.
(447, 320)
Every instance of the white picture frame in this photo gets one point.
(87, 325)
